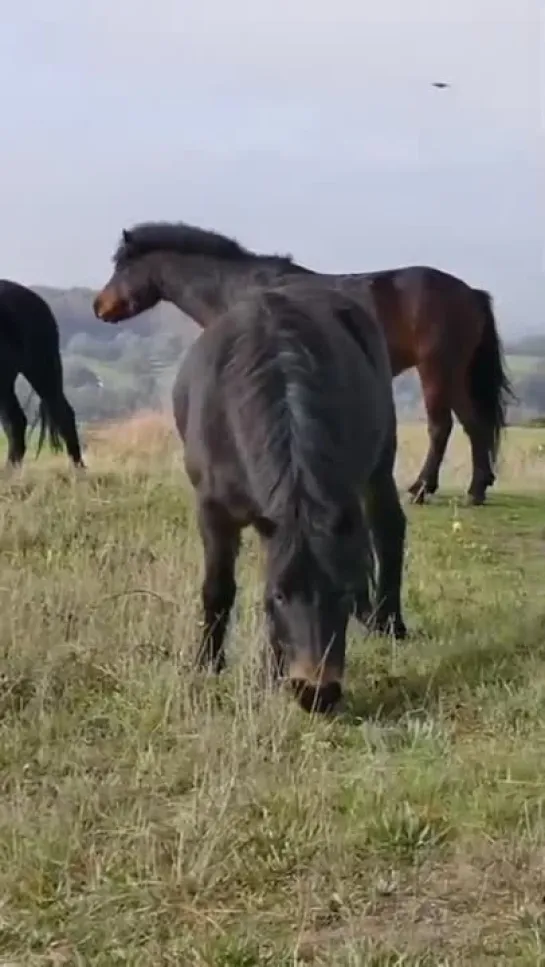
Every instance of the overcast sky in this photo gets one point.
(300, 125)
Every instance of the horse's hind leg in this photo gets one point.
(438, 408)
(388, 524)
(14, 423)
(363, 608)
(221, 540)
(62, 417)
(479, 436)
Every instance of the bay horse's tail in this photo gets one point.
(48, 427)
(489, 384)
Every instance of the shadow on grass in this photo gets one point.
(456, 673)
(503, 499)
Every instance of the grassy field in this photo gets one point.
(149, 816)
(521, 365)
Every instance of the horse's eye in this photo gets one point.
(279, 598)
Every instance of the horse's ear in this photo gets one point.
(127, 236)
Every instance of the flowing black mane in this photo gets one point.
(188, 240)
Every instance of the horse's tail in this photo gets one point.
(48, 427)
(37, 417)
(489, 384)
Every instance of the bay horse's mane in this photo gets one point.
(183, 239)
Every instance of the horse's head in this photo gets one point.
(308, 617)
(130, 290)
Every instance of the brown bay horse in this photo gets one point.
(285, 407)
(438, 323)
(431, 320)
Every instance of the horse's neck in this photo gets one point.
(204, 287)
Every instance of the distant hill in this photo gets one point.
(112, 371)
(533, 346)
(73, 309)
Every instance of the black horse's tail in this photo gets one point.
(48, 427)
(490, 386)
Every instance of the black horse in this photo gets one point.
(29, 345)
(431, 320)
(286, 410)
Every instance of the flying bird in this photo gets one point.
(440, 84)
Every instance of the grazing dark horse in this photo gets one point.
(431, 320)
(29, 345)
(286, 410)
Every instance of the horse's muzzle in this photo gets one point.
(315, 691)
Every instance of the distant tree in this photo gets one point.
(528, 346)
(73, 309)
(77, 375)
(93, 404)
(407, 392)
(83, 344)
(531, 390)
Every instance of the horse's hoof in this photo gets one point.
(475, 500)
(211, 664)
(392, 627)
(418, 493)
(364, 618)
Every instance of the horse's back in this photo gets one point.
(24, 315)
(29, 336)
(322, 334)
(344, 337)
(354, 353)
(18, 297)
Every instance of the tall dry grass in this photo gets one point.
(521, 465)
(151, 815)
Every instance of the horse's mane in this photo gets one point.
(147, 237)
(286, 426)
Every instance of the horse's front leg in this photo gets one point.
(221, 541)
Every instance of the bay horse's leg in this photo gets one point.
(388, 524)
(482, 475)
(14, 423)
(437, 400)
(220, 536)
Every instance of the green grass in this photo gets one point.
(149, 816)
(521, 365)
